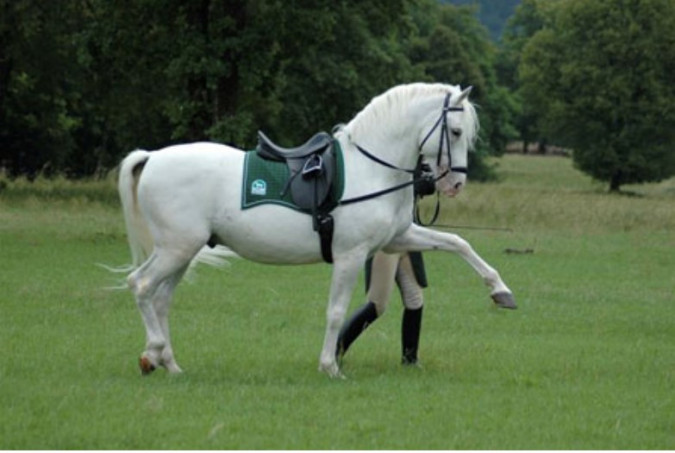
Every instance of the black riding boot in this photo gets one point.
(362, 318)
(410, 335)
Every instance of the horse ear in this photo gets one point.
(463, 95)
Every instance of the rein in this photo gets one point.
(383, 162)
(423, 178)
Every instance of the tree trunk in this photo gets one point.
(615, 182)
(5, 58)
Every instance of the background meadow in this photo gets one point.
(586, 362)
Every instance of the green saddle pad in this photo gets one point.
(264, 181)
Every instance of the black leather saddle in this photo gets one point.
(312, 168)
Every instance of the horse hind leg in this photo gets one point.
(152, 285)
(142, 288)
(162, 303)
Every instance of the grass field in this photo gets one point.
(587, 362)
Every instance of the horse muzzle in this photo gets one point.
(452, 184)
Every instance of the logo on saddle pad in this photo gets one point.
(259, 187)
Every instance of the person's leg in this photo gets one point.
(407, 279)
(379, 283)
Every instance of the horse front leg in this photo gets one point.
(345, 272)
(418, 238)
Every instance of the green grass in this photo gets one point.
(587, 362)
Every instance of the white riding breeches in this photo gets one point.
(390, 268)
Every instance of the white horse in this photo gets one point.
(178, 199)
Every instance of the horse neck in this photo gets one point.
(392, 136)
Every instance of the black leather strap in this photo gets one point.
(325, 226)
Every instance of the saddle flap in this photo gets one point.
(317, 172)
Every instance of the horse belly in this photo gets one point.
(270, 234)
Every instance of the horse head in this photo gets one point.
(448, 133)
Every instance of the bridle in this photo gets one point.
(421, 175)
(445, 135)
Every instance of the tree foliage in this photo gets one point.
(82, 82)
(599, 75)
(36, 124)
(451, 45)
(492, 13)
(527, 20)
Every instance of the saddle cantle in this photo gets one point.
(271, 151)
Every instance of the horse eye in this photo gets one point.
(456, 132)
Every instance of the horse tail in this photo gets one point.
(139, 237)
(138, 233)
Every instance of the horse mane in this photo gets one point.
(390, 107)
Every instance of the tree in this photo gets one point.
(123, 51)
(223, 69)
(492, 13)
(83, 82)
(453, 47)
(600, 79)
(335, 57)
(527, 20)
(37, 74)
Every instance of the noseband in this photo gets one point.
(445, 135)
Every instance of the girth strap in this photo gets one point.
(325, 226)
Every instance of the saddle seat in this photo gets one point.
(267, 149)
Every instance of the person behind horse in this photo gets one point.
(407, 270)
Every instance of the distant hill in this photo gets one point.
(492, 13)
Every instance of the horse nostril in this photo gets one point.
(458, 185)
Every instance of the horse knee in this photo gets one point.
(335, 316)
(463, 247)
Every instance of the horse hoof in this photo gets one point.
(505, 300)
(146, 366)
(172, 368)
(332, 370)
